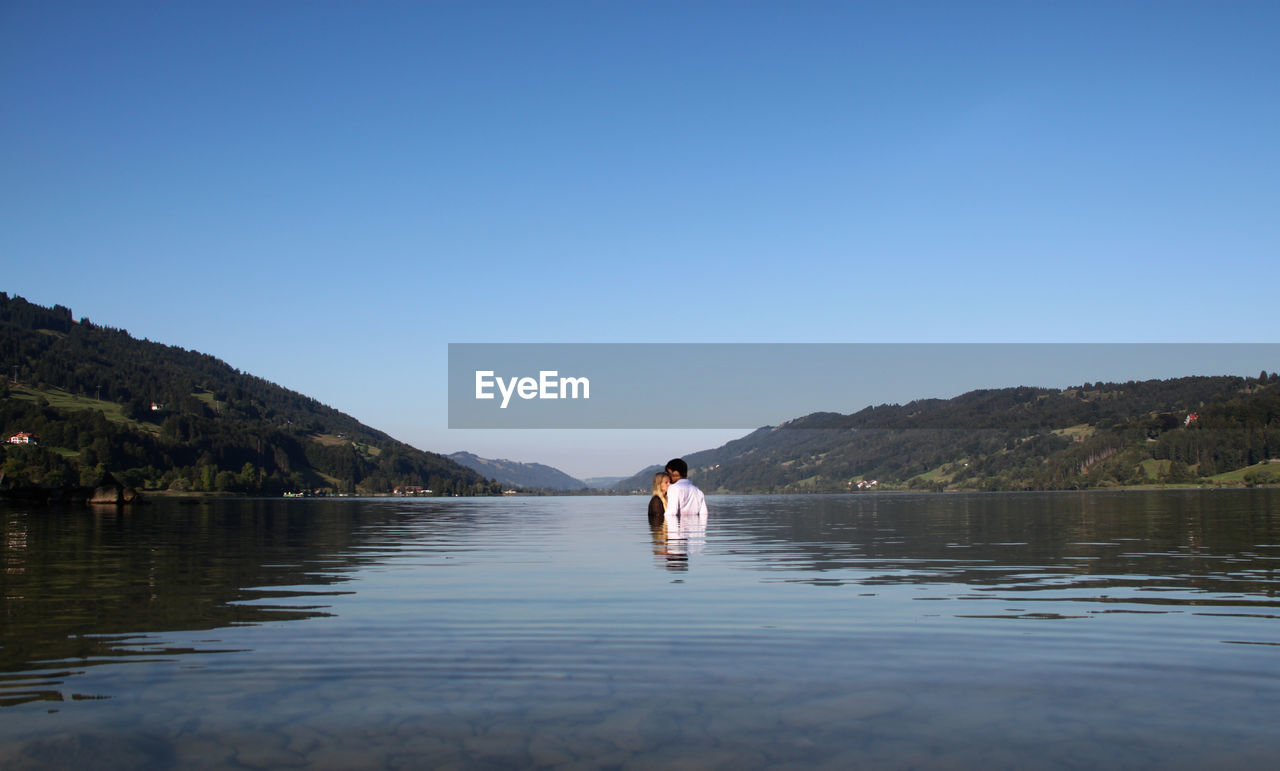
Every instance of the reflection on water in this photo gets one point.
(1186, 549)
(674, 542)
(1015, 630)
(91, 586)
(676, 559)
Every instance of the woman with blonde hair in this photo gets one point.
(658, 503)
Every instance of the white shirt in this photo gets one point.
(686, 512)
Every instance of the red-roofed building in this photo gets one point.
(22, 437)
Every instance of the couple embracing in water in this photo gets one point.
(676, 502)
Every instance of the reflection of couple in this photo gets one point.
(677, 504)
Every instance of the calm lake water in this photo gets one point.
(1064, 630)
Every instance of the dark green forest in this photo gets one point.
(1097, 435)
(159, 417)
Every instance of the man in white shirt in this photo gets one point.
(686, 514)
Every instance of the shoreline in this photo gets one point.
(55, 497)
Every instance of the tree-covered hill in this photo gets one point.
(161, 417)
(1094, 435)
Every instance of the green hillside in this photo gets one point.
(1178, 431)
(161, 417)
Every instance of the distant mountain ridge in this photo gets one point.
(161, 417)
(1095, 435)
(517, 474)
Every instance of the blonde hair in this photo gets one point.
(657, 486)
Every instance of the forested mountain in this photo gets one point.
(517, 474)
(161, 417)
(1095, 435)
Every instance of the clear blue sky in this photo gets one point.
(326, 194)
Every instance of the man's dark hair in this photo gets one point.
(677, 464)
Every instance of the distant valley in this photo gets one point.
(602, 483)
(512, 473)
